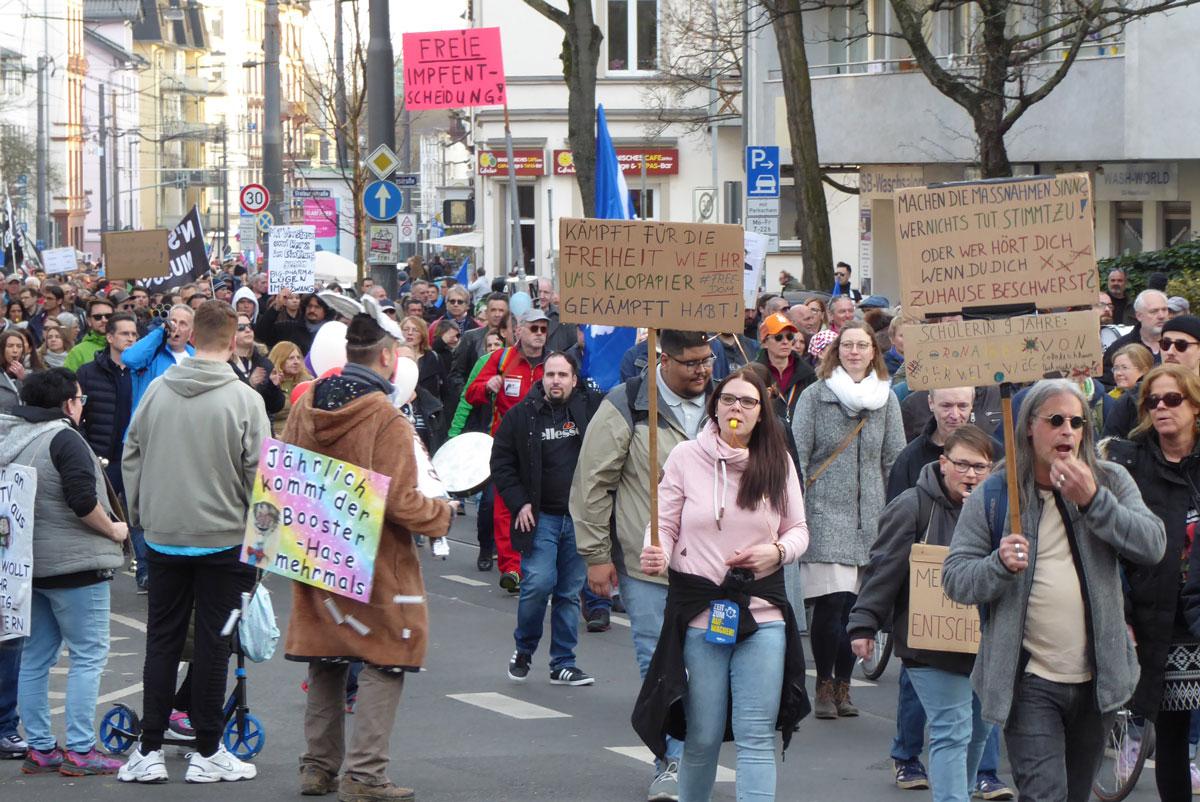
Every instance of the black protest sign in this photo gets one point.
(186, 254)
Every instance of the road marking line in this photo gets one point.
(462, 580)
(854, 683)
(108, 697)
(507, 706)
(127, 621)
(619, 619)
(643, 755)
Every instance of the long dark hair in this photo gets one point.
(766, 471)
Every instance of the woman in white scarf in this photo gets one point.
(848, 430)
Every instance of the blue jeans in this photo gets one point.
(910, 730)
(78, 617)
(752, 670)
(592, 601)
(957, 733)
(645, 603)
(138, 538)
(10, 673)
(551, 567)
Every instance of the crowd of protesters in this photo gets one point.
(798, 471)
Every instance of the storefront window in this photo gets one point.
(647, 212)
(1177, 223)
(1129, 228)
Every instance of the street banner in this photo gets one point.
(934, 621)
(686, 276)
(315, 519)
(453, 69)
(1025, 348)
(185, 251)
(996, 243)
(134, 254)
(292, 258)
(59, 260)
(322, 214)
(18, 484)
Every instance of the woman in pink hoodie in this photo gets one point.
(730, 516)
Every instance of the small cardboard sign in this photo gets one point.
(935, 622)
(453, 69)
(1024, 348)
(996, 243)
(315, 519)
(687, 276)
(136, 254)
(59, 260)
(17, 487)
(292, 258)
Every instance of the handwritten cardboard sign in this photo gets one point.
(135, 254)
(996, 243)
(59, 260)
(453, 69)
(934, 621)
(292, 258)
(315, 519)
(17, 486)
(1016, 349)
(187, 257)
(685, 276)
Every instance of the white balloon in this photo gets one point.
(329, 348)
(519, 303)
(405, 379)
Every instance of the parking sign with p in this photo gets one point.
(762, 171)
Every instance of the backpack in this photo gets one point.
(995, 504)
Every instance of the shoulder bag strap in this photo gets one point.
(847, 440)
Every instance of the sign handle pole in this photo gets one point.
(517, 257)
(652, 378)
(1010, 459)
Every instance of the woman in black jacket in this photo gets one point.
(1164, 600)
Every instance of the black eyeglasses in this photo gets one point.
(786, 336)
(538, 329)
(1058, 420)
(1172, 400)
(963, 466)
(1167, 343)
(455, 301)
(243, 327)
(743, 401)
(102, 316)
(81, 399)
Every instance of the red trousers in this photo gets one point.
(507, 558)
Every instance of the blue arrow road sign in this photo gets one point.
(382, 200)
(762, 171)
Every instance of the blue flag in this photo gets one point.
(461, 276)
(603, 346)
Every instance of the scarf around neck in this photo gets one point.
(870, 394)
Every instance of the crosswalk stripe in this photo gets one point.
(854, 683)
(643, 755)
(127, 621)
(462, 580)
(619, 619)
(106, 698)
(507, 705)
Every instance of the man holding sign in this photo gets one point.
(351, 419)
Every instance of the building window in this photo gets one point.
(526, 208)
(1177, 223)
(650, 211)
(1129, 228)
(632, 35)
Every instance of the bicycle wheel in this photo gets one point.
(1125, 752)
(873, 668)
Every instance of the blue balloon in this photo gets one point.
(520, 303)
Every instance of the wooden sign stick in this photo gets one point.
(1010, 459)
(652, 378)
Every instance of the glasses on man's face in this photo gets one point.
(1167, 343)
(243, 327)
(1171, 400)
(1057, 420)
(840, 274)
(537, 329)
(101, 316)
(455, 301)
(966, 466)
(82, 399)
(785, 336)
(694, 365)
(743, 401)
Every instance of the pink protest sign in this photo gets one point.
(453, 69)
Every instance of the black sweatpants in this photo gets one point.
(827, 634)
(1172, 770)
(213, 585)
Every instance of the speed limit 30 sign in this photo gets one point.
(255, 198)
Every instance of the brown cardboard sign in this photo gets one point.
(1015, 349)
(996, 243)
(935, 622)
(686, 276)
(135, 254)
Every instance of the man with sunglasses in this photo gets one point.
(1179, 344)
(98, 313)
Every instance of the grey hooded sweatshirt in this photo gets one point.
(191, 453)
(247, 294)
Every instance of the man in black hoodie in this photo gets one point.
(533, 462)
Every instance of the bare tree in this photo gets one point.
(580, 54)
(345, 121)
(1009, 54)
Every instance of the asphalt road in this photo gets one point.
(465, 733)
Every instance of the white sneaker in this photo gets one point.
(221, 767)
(150, 768)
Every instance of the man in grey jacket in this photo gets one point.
(1055, 659)
(191, 454)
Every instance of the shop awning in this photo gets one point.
(471, 239)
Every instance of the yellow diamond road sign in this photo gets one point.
(383, 161)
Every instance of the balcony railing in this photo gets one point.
(184, 129)
(193, 178)
(952, 61)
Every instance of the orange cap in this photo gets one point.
(774, 324)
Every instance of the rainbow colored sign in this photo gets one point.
(315, 519)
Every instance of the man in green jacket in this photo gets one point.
(99, 311)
